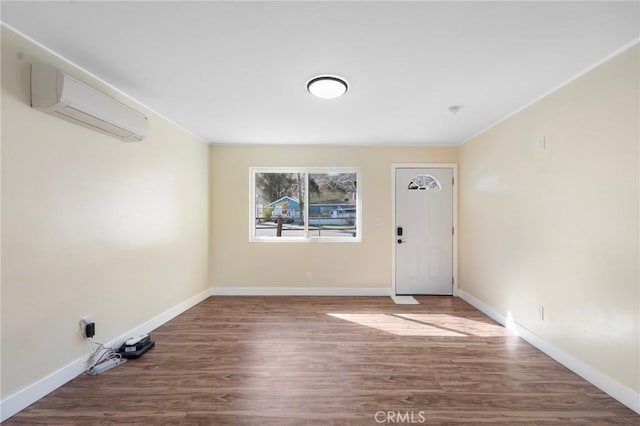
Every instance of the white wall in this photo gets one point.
(236, 262)
(90, 225)
(560, 227)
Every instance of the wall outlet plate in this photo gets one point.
(87, 319)
(540, 312)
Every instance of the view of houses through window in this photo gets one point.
(305, 204)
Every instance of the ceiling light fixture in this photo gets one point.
(327, 87)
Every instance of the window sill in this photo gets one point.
(305, 240)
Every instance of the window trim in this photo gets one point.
(306, 171)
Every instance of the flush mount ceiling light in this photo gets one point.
(327, 87)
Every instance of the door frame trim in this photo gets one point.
(454, 167)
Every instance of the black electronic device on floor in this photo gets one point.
(136, 346)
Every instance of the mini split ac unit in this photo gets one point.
(56, 93)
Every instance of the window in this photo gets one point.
(424, 182)
(309, 204)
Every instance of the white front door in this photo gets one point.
(424, 231)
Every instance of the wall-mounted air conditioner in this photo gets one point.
(56, 93)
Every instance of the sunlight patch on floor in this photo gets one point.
(397, 325)
(435, 325)
(459, 324)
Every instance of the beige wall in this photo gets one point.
(90, 225)
(94, 225)
(236, 262)
(559, 227)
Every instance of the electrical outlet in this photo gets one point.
(308, 277)
(84, 321)
(540, 312)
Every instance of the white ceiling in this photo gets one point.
(235, 72)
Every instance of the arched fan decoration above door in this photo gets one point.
(425, 183)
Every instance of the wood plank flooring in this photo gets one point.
(331, 360)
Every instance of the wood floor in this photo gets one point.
(331, 360)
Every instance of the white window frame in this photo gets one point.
(306, 171)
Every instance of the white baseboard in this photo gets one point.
(615, 389)
(30, 394)
(301, 291)
(27, 396)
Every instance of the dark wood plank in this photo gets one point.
(331, 360)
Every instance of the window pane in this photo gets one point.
(332, 205)
(279, 204)
(424, 182)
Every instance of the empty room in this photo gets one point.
(320, 212)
